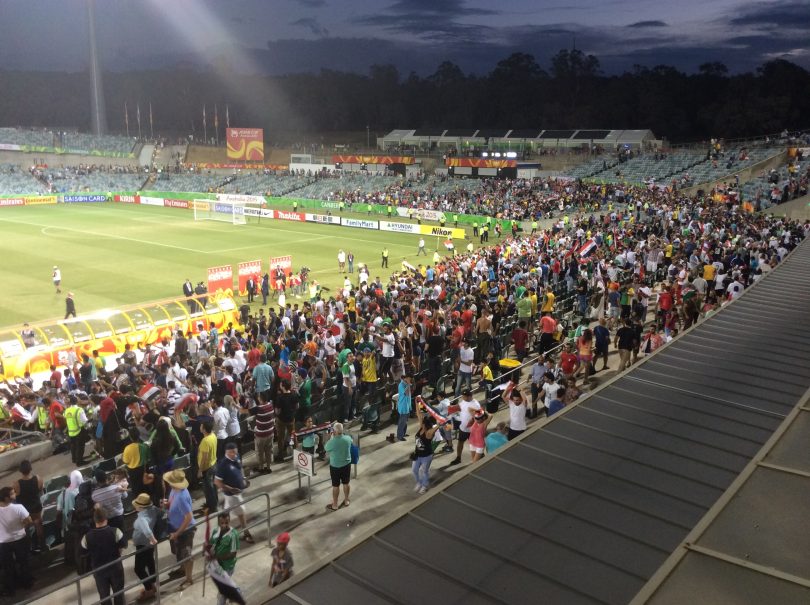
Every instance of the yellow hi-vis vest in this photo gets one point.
(42, 418)
(72, 420)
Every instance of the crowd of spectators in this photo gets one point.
(639, 266)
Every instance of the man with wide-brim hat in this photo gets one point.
(181, 525)
(144, 539)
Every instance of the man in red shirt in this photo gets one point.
(467, 317)
(56, 412)
(254, 357)
(665, 301)
(569, 363)
(55, 378)
(520, 338)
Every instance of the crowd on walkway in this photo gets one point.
(180, 413)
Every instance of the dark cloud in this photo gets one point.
(642, 24)
(312, 25)
(312, 3)
(767, 15)
(431, 20)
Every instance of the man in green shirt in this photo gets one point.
(223, 546)
(340, 465)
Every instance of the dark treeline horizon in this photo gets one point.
(571, 92)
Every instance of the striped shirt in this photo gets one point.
(109, 499)
(265, 420)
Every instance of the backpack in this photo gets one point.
(161, 527)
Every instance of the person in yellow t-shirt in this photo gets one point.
(206, 465)
(548, 302)
(533, 298)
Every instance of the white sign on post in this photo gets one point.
(303, 462)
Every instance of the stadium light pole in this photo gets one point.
(98, 113)
(368, 138)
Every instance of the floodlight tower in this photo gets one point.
(98, 112)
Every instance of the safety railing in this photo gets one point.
(196, 551)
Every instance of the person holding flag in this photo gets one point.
(221, 548)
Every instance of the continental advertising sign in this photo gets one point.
(69, 199)
(12, 201)
(443, 231)
(245, 144)
(36, 200)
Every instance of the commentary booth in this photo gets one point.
(59, 342)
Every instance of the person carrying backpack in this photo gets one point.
(81, 521)
(150, 526)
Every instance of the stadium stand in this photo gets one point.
(14, 181)
(70, 141)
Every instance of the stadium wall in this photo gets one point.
(26, 159)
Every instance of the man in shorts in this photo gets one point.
(57, 279)
(339, 449)
(467, 406)
(230, 480)
(181, 525)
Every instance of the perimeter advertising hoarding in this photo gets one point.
(37, 200)
(176, 203)
(128, 199)
(247, 269)
(326, 219)
(70, 199)
(14, 201)
(220, 278)
(359, 224)
(245, 144)
(399, 227)
(289, 216)
(443, 231)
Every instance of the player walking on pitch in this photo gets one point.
(57, 279)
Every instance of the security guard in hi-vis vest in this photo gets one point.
(76, 419)
(385, 258)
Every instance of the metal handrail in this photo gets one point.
(158, 570)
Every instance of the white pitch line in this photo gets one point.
(108, 235)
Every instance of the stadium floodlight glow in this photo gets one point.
(485, 155)
(497, 154)
(511, 154)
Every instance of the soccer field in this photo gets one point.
(118, 254)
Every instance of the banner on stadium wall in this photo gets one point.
(127, 199)
(171, 203)
(424, 214)
(151, 201)
(234, 198)
(251, 268)
(289, 216)
(245, 144)
(220, 278)
(359, 224)
(37, 200)
(442, 231)
(260, 212)
(399, 227)
(480, 163)
(326, 219)
(198, 204)
(71, 199)
(372, 159)
(9, 147)
(251, 166)
(13, 201)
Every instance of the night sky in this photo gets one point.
(291, 36)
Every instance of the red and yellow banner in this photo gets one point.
(220, 278)
(480, 163)
(245, 144)
(372, 159)
(251, 268)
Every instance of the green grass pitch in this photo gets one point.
(112, 255)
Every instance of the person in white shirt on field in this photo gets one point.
(57, 278)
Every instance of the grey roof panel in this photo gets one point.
(703, 579)
(794, 448)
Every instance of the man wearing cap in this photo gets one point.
(230, 480)
(181, 525)
(144, 540)
(467, 406)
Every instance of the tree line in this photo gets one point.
(518, 93)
